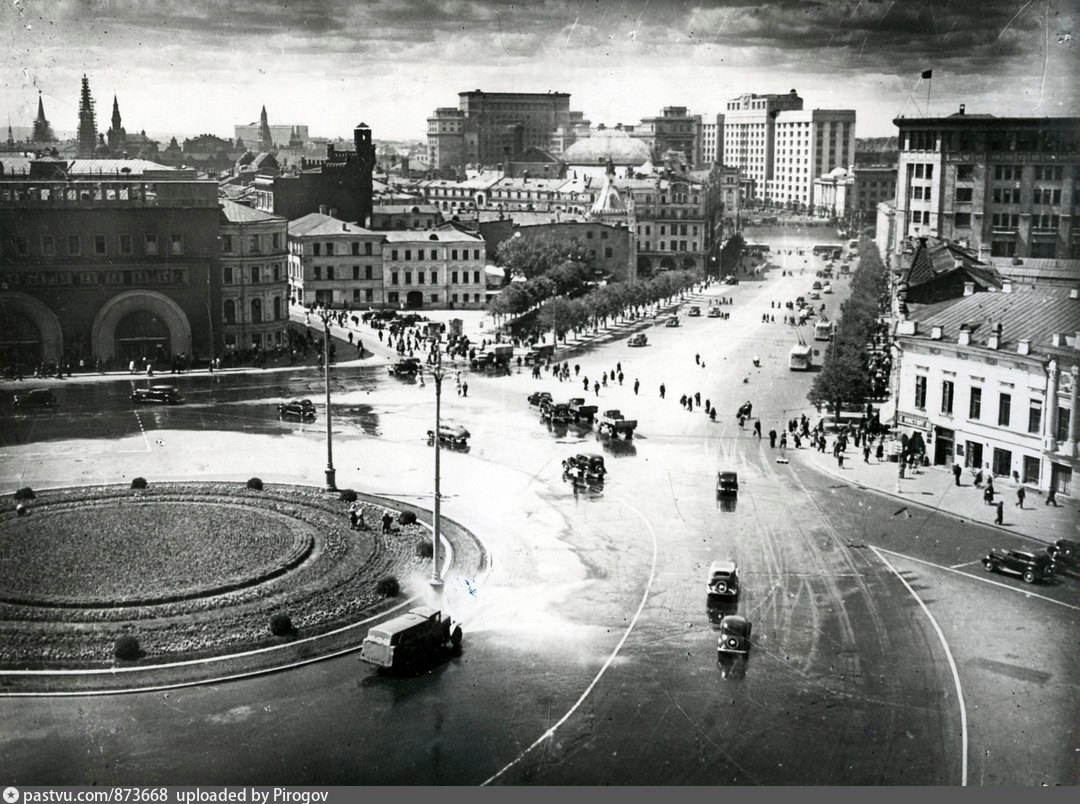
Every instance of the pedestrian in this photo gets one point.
(772, 438)
(1051, 497)
(697, 398)
(662, 390)
(840, 459)
(577, 369)
(757, 428)
(637, 384)
(353, 519)
(585, 384)
(697, 359)
(956, 470)
(999, 519)
(988, 495)
(620, 378)
(464, 389)
(682, 400)
(596, 388)
(866, 455)
(1020, 495)
(387, 521)
(783, 440)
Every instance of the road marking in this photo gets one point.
(948, 655)
(976, 577)
(588, 690)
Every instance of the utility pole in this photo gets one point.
(331, 480)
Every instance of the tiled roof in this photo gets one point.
(14, 165)
(1033, 270)
(1033, 314)
(242, 213)
(940, 257)
(315, 224)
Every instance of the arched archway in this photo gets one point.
(414, 299)
(141, 334)
(30, 332)
(689, 264)
(103, 334)
(644, 266)
(667, 264)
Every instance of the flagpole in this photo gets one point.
(929, 83)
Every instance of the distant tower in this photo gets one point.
(10, 135)
(266, 141)
(117, 136)
(87, 124)
(294, 138)
(42, 130)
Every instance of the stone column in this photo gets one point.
(1050, 440)
(1074, 414)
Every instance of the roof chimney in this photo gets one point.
(1057, 339)
(322, 209)
(1024, 347)
(333, 213)
(1006, 286)
(907, 327)
(344, 227)
(994, 340)
(935, 333)
(969, 288)
(961, 108)
(1074, 293)
(965, 337)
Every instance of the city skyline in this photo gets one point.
(388, 64)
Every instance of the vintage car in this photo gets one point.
(641, 339)
(1029, 566)
(1065, 553)
(815, 294)
(161, 394)
(695, 312)
(582, 411)
(406, 367)
(730, 280)
(723, 580)
(378, 315)
(452, 434)
(734, 634)
(410, 638)
(715, 312)
(816, 286)
(587, 465)
(300, 408)
(36, 398)
(557, 413)
(536, 398)
(672, 322)
(539, 353)
(827, 288)
(727, 483)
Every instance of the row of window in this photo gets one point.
(256, 274)
(1004, 407)
(369, 272)
(327, 249)
(1011, 220)
(408, 254)
(394, 276)
(229, 309)
(123, 245)
(674, 245)
(255, 243)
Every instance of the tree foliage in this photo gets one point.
(530, 257)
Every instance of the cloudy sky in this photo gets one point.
(193, 66)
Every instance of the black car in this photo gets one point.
(536, 399)
(300, 408)
(590, 466)
(405, 368)
(1065, 553)
(36, 398)
(557, 413)
(1029, 566)
(160, 394)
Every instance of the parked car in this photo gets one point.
(540, 353)
(406, 367)
(452, 434)
(301, 408)
(378, 315)
(582, 411)
(816, 286)
(723, 580)
(715, 312)
(36, 398)
(730, 280)
(1065, 553)
(161, 394)
(734, 634)
(537, 397)
(827, 288)
(672, 322)
(588, 465)
(641, 339)
(695, 312)
(615, 424)
(1029, 566)
(815, 294)
(727, 483)
(557, 413)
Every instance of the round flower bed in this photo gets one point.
(191, 569)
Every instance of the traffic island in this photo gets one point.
(112, 588)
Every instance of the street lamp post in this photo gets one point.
(437, 374)
(331, 474)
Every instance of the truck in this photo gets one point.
(500, 354)
(581, 411)
(615, 424)
(410, 638)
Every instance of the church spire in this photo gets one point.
(10, 133)
(87, 122)
(115, 113)
(116, 135)
(42, 130)
(266, 140)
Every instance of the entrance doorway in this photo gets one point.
(973, 457)
(20, 342)
(414, 299)
(142, 334)
(943, 446)
(1060, 478)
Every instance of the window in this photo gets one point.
(74, 247)
(369, 294)
(1007, 172)
(226, 243)
(329, 249)
(99, 245)
(964, 172)
(227, 275)
(962, 220)
(392, 296)
(356, 272)
(256, 311)
(369, 272)
(476, 277)
(408, 254)
(419, 277)
(1035, 417)
(435, 298)
(929, 171)
(394, 278)
(254, 273)
(434, 277)
(277, 308)
(453, 277)
(453, 254)
(476, 254)
(947, 397)
(408, 277)
(367, 249)
(963, 195)
(393, 254)
(588, 235)
(975, 404)
(356, 250)
(920, 393)
(253, 244)
(176, 244)
(275, 241)
(1004, 410)
(229, 311)
(48, 248)
(318, 271)
(917, 193)
(608, 252)
(434, 254)
(1048, 173)
(1005, 220)
(1062, 431)
(1002, 466)
(1002, 248)
(316, 249)
(1031, 470)
(329, 271)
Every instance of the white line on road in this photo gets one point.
(952, 664)
(588, 690)
(977, 577)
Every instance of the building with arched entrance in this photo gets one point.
(105, 260)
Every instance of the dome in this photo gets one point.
(618, 146)
(838, 172)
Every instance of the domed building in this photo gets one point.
(833, 192)
(591, 155)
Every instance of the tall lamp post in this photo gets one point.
(437, 373)
(331, 474)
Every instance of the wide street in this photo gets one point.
(882, 654)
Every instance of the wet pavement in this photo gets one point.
(590, 653)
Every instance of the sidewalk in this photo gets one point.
(935, 487)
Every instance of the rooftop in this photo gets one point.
(241, 213)
(315, 224)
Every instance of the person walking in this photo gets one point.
(866, 454)
(1051, 497)
(957, 471)
(1020, 495)
(585, 384)
(840, 459)
(999, 519)
(772, 438)
(663, 390)
(387, 521)
(637, 384)
(464, 389)
(757, 428)
(596, 388)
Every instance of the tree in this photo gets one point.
(561, 315)
(730, 254)
(534, 256)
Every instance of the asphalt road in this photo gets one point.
(590, 655)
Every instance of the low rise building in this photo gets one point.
(439, 268)
(334, 263)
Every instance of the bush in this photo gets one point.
(348, 495)
(25, 493)
(255, 483)
(126, 648)
(281, 625)
(407, 518)
(138, 483)
(388, 587)
(424, 549)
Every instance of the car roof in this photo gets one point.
(162, 387)
(722, 566)
(735, 622)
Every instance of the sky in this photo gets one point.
(187, 67)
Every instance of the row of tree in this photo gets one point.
(550, 267)
(844, 380)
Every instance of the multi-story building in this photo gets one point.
(412, 214)
(334, 263)
(254, 286)
(712, 140)
(806, 145)
(873, 184)
(748, 134)
(1006, 187)
(492, 125)
(442, 268)
(111, 260)
(674, 129)
(990, 381)
(671, 222)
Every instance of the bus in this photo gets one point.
(832, 250)
(823, 331)
(801, 357)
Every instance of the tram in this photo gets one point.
(801, 357)
(823, 331)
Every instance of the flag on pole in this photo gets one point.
(927, 73)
